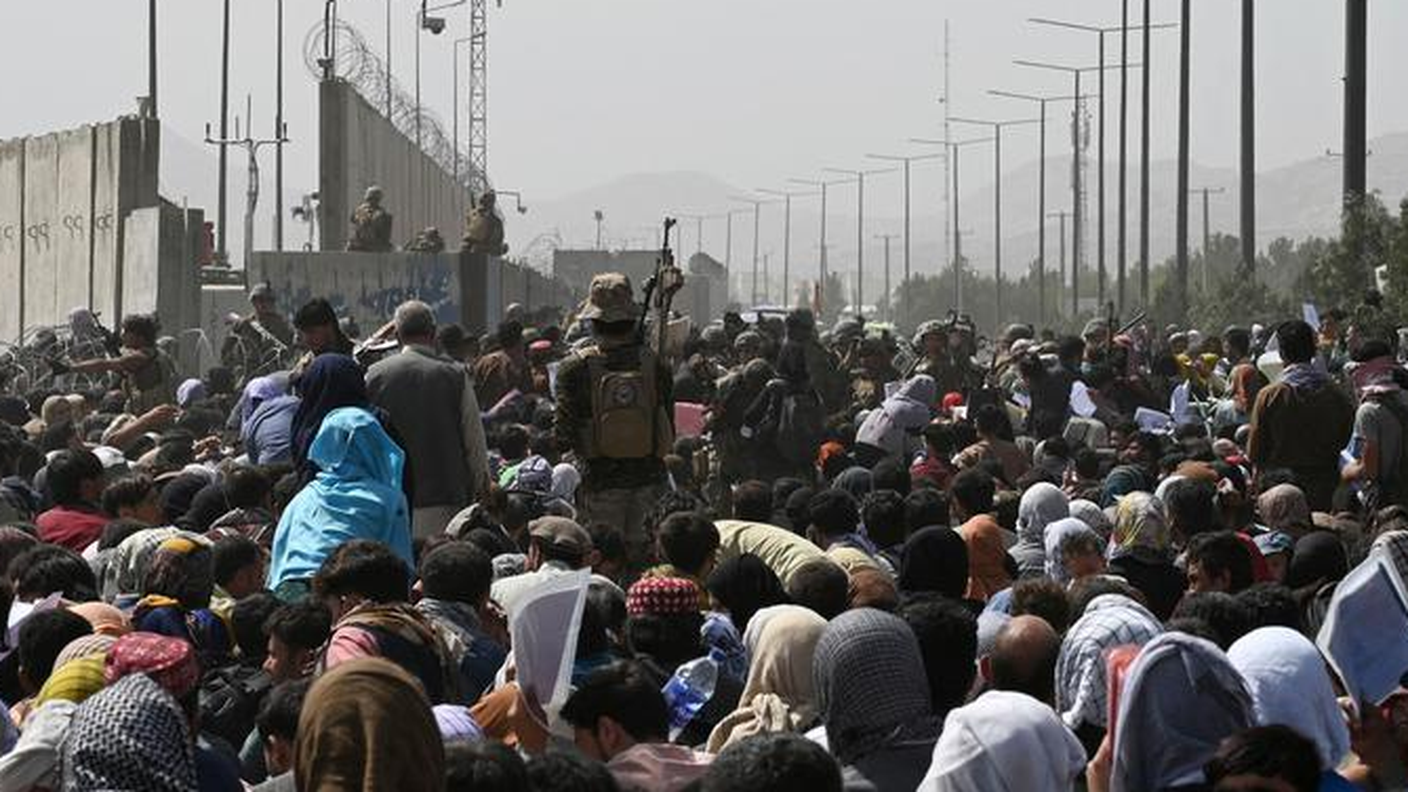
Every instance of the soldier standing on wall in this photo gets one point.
(484, 228)
(371, 225)
(148, 375)
(615, 412)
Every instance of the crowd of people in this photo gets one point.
(795, 557)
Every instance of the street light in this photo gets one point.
(517, 199)
(1207, 235)
(728, 241)
(822, 184)
(1100, 31)
(997, 195)
(436, 26)
(906, 161)
(786, 197)
(953, 149)
(860, 227)
(1076, 187)
(1041, 195)
(757, 219)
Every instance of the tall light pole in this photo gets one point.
(1356, 27)
(757, 221)
(906, 161)
(1077, 187)
(786, 197)
(1061, 280)
(953, 148)
(1100, 31)
(860, 227)
(436, 26)
(1248, 132)
(822, 184)
(1207, 234)
(222, 251)
(889, 295)
(997, 127)
(151, 53)
(1144, 163)
(278, 123)
(728, 242)
(1041, 194)
(1184, 98)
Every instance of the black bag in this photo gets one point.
(230, 699)
(801, 424)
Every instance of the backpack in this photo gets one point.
(230, 699)
(627, 420)
(801, 423)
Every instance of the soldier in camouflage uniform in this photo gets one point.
(427, 241)
(371, 225)
(148, 375)
(260, 342)
(946, 351)
(484, 229)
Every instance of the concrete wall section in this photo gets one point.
(42, 227)
(106, 225)
(360, 148)
(72, 228)
(141, 257)
(11, 238)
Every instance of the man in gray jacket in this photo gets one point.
(430, 399)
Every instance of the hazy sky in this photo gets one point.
(753, 91)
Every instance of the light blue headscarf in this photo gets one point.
(356, 495)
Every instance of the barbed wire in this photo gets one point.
(360, 66)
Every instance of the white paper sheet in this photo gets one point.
(1365, 634)
(543, 628)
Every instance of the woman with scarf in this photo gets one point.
(780, 694)
(1041, 505)
(1004, 742)
(1181, 699)
(1141, 552)
(1110, 620)
(367, 726)
(874, 700)
(176, 595)
(892, 430)
(1069, 543)
(132, 735)
(355, 495)
(935, 559)
(1291, 686)
(1303, 421)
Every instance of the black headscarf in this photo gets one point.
(330, 382)
(745, 585)
(1319, 558)
(935, 559)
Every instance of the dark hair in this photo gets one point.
(833, 512)
(1191, 505)
(42, 636)
(492, 542)
(1238, 341)
(822, 585)
(513, 441)
(609, 541)
(744, 585)
(509, 333)
(567, 771)
(144, 326)
(625, 693)
(669, 639)
(45, 569)
(484, 766)
(118, 530)
(992, 420)
(1222, 551)
(300, 625)
(247, 619)
(890, 474)
(752, 501)
(458, 572)
(948, 641)
(1222, 613)
(1272, 752)
(127, 491)
(688, 541)
(67, 472)
(1297, 341)
(317, 312)
(883, 512)
(939, 436)
(1087, 463)
(973, 490)
(1043, 597)
(232, 554)
(279, 712)
(773, 761)
(247, 487)
(363, 567)
(58, 436)
(1270, 605)
(1088, 588)
(925, 507)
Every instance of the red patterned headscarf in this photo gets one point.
(170, 662)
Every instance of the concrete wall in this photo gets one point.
(359, 147)
(64, 201)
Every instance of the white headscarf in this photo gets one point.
(1041, 505)
(1056, 535)
(1004, 742)
(1290, 686)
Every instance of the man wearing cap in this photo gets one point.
(431, 401)
(371, 225)
(253, 338)
(615, 413)
(556, 545)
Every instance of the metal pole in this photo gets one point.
(1355, 103)
(786, 244)
(860, 241)
(151, 55)
(698, 235)
(889, 296)
(1207, 240)
(1124, 150)
(1184, 65)
(388, 60)
(1075, 201)
(420, 20)
(222, 251)
(1063, 216)
(1100, 182)
(957, 240)
(997, 218)
(823, 238)
(1041, 224)
(1144, 168)
(757, 217)
(1248, 163)
(728, 243)
(950, 196)
(906, 230)
(455, 110)
(279, 133)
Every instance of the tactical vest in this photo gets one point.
(627, 421)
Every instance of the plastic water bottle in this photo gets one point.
(690, 689)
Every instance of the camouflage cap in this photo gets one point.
(610, 299)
